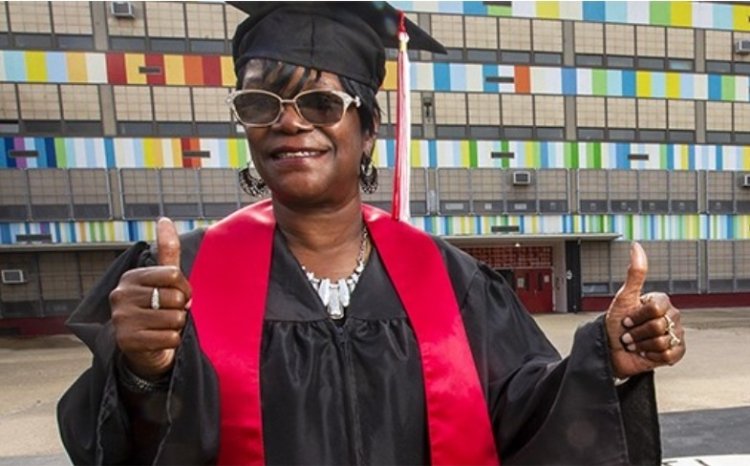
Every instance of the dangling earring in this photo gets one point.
(368, 175)
(255, 187)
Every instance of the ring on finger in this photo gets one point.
(155, 304)
(674, 340)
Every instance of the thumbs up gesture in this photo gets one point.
(148, 308)
(644, 330)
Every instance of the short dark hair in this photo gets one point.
(277, 75)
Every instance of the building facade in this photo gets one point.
(550, 136)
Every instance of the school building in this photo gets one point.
(550, 136)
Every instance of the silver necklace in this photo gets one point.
(336, 296)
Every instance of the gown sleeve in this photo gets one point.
(544, 409)
(101, 424)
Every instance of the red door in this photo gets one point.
(534, 289)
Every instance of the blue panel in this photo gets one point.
(10, 162)
(729, 219)
(475, 8)
(5, 236)
(432, 148)
(458, 76)
(616, 11)
(622, 150)
(133, 230)
(49, 148)
(490, 71)
(38, 144)
(57, 67)
(628, 83)
(5, 144)
(15, 66)
(714, 87)
(723, 16)
(58, 231)
(544, 154)
(691, 157)
(72, 233)
(593, 11)
(720, 157)
(90, 149)
(569, 81)
(658, 85)
(442, 72)
(390, 152)
(670, 159)
(451, 7)
(652, 225)
(109, 152)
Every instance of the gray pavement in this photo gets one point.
(704, 402)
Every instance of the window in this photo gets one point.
(39, 101)
(515, 34)
(448, 30)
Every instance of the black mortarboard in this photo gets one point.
(344, 38)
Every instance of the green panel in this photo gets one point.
(599, 82)
(505, 147)
(571, 155)
(661, 13)
(727, 88)
(499, 10)
(663, 159)
(473, 158)
(61, 155)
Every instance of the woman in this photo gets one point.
(320, 331)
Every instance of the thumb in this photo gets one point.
(637, 270)
(167, 243)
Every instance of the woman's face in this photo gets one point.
(301, 163)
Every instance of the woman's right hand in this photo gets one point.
(148, 337)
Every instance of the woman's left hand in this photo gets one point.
(644, 331)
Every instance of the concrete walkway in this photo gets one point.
(706, 393)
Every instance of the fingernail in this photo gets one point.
(643, 354)
(627, 322)
(631, 348)
(627, 339)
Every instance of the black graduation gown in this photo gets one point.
(352, 393)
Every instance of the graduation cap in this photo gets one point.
(344, 38)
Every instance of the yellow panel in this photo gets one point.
(643, 83)
(741, 15)
(176, 151)
(152, 154)
(36, 66)
(133, 61)
(746, 158)
(673, 86)
(548, 10)
(174, 70)
(76, 67)
(391, 76)
(682, 14)
(227, 72)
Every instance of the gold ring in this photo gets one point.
(155, 304)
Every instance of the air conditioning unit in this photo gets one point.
(12, 276)
(122, 10)
(742, 47)
(521, 178)
(746, 181)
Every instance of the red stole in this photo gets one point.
(230, 277)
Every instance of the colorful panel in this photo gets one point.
(706, 15)
(631, 227)
(234, 153)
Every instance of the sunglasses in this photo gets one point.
(257, 108)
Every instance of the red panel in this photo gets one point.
(189, 144)
(212, 70)
(156, 60)
(534, 289)
(193, 70)
(116, 68)
(522, 80)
